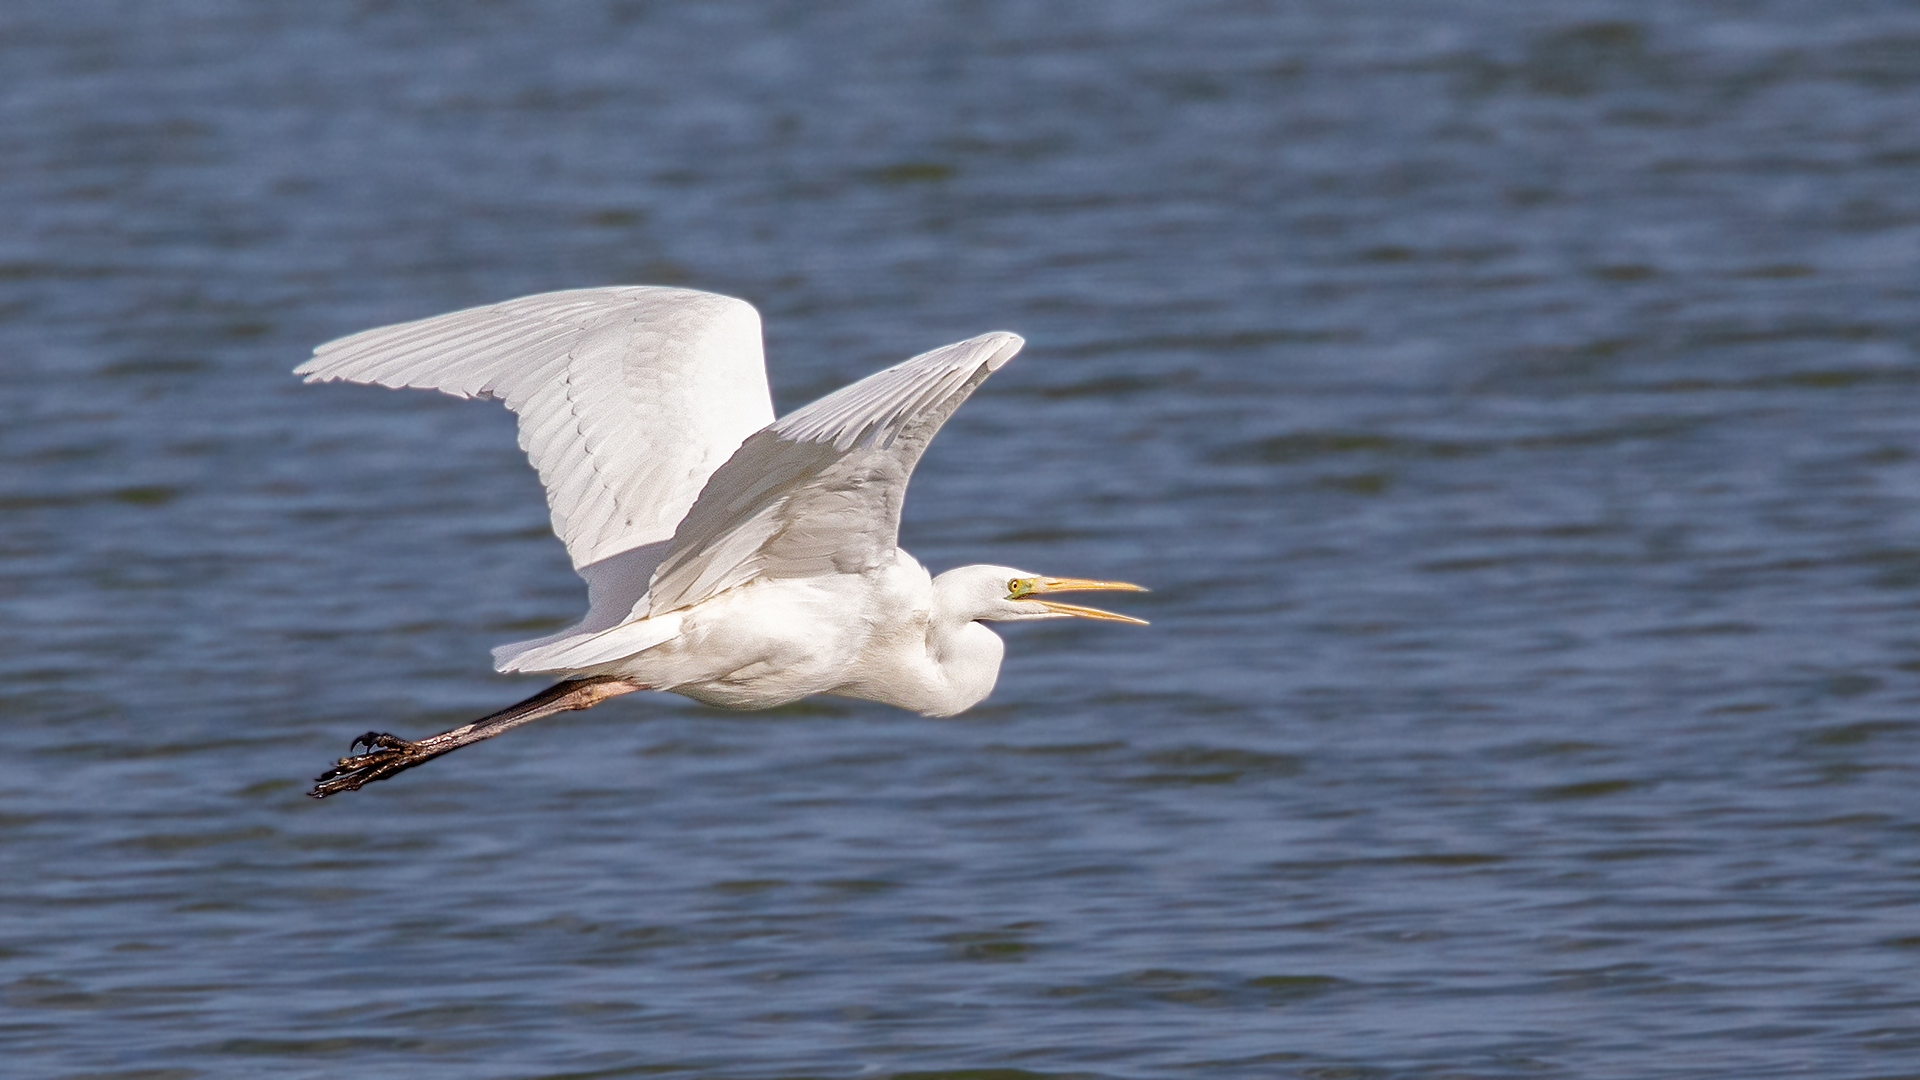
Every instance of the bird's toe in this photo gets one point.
(386, 755)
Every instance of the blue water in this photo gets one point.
(1513, 406)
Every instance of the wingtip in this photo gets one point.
(309, 368)
(1010, 345)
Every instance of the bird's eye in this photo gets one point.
(1013, 585)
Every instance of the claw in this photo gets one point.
(373, 740)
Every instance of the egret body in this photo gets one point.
(737, 559)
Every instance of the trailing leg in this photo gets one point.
(389, 754)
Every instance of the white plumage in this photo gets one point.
(730, 557)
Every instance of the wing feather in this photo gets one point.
(820, 490)
(628, 397)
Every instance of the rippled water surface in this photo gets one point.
(1514, 406)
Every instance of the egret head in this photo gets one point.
(1003, 594)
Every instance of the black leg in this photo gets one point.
(389, 754)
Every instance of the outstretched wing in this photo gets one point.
(820, 491)
(628, 397)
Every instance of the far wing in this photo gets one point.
(820, 491)
(628, 398)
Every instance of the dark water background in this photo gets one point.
(1512, 404)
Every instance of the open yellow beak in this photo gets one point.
(1070, 584)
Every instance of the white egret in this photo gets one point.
(738, 560)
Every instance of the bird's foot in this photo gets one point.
(386, 755)
(389, 754)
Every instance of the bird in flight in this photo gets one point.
(737, 559)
